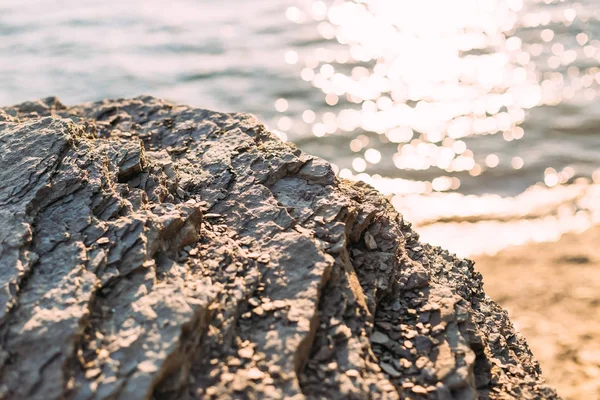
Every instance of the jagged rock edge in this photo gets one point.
(348, 248)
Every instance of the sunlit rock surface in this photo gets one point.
(157, 251)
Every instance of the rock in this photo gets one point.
(246, 352)
(370, 241)
(150, 250)
(379, 338)
(419, 389)
(390, 370)
(353, 373)
(422, 362)
(255, 374)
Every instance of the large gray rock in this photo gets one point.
(150, 250)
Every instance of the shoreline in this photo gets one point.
(551, 291)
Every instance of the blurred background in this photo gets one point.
(477, 118)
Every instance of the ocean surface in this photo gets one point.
(478, 118)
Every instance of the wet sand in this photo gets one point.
(552, 293)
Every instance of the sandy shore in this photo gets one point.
(552, 293)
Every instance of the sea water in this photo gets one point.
(477, 118)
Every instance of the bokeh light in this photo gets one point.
(414, 95)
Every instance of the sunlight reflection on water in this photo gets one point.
(427, 78)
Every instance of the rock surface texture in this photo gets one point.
(150, 250)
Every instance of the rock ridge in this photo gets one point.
(152, 250)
